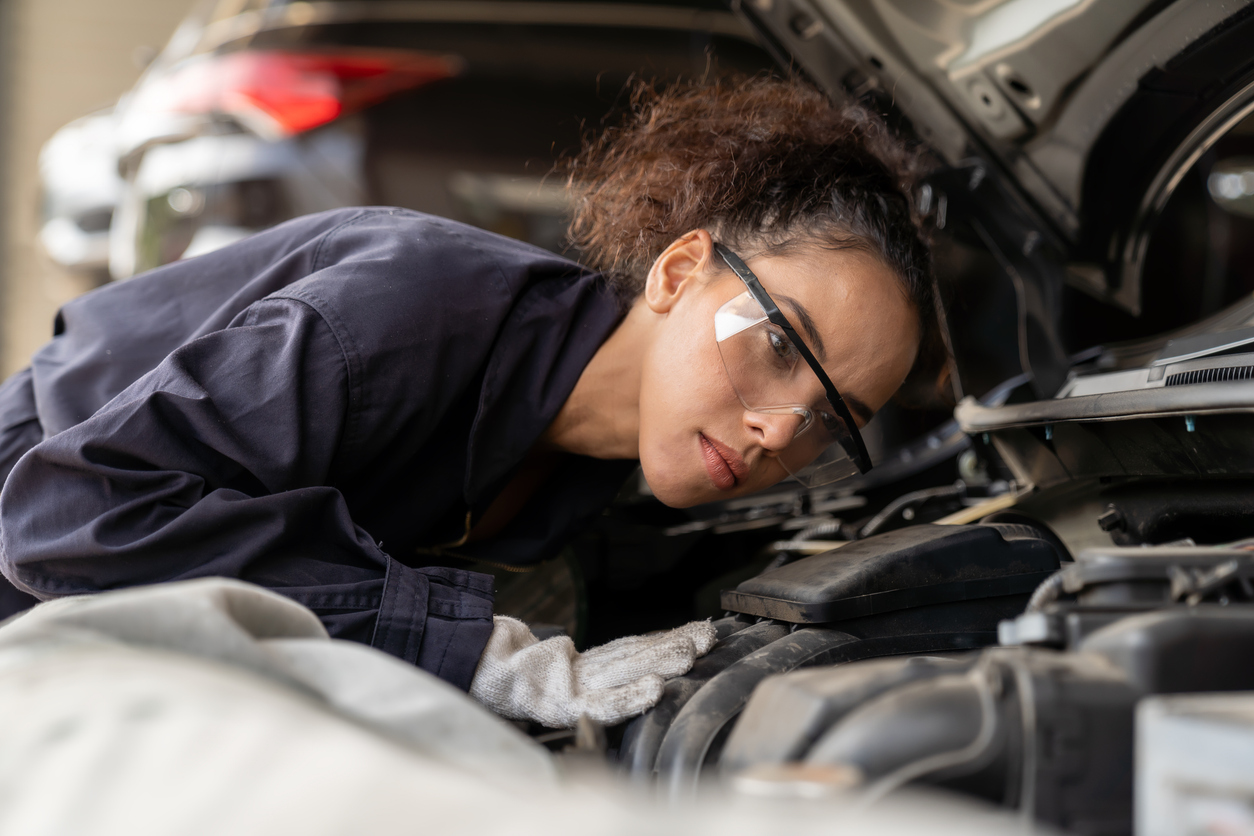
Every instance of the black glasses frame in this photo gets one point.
(859, 454)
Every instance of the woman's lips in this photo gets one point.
(723, 464)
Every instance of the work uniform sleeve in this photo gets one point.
(218, 463)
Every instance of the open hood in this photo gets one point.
(1062, 127)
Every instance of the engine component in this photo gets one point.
(683, 735)
(1048, 731)
(909, 567)
(697, 727)
(923, 589)
(1194, 431)
(1207, 512)
(1044, 730)
(1171, 651)
(1110, 584)
(643, 736)
(795, 710)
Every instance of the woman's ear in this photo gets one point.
(680, 265)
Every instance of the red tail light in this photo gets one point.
(286, 93)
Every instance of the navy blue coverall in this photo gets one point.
(309, 410)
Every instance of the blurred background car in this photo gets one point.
(257, 112)
(81, 190)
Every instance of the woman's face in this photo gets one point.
(698, 443)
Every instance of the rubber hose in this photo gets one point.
(684, 748)
(1047, 592)
(643, 736)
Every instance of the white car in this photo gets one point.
(78, 168)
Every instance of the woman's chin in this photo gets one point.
(676, 496)
(678, 492)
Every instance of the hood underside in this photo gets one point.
(1030, 88)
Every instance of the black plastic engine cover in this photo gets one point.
(909, 567)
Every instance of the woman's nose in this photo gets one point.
(774, 430)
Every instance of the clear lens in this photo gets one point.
(770, 377)
(832, 465)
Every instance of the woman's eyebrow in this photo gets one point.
(814, 339)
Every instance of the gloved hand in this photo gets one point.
(523, 678)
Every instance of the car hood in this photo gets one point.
(1028, 87)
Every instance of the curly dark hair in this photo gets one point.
(765, 164)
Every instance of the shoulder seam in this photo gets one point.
(348, 352)
(326, 237)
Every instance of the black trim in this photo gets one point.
(796, 612)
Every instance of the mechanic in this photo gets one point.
(322, 407)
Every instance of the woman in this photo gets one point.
(318, 408)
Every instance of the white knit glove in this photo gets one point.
(523, 678)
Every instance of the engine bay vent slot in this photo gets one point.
(910, 567)
(1218, 375)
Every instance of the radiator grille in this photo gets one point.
(1211, 375)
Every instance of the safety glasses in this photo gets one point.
(772, 371)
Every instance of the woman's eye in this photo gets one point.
(782, 348)
(834, 428)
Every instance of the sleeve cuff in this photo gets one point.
(438, 619)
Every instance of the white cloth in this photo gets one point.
(523, 678)
(212, 707)
(247, 632)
